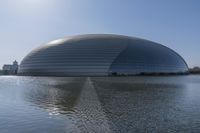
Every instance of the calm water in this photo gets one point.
(111, 104)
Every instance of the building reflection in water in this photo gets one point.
(119, 104)
(56, 95)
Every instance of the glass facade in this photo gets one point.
(101, 55)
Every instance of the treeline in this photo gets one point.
(195, 70)
(7, 72)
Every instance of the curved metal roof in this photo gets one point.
(101, 54)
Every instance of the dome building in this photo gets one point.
(101, 55)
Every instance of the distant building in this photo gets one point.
(10, 69)
(1, 72)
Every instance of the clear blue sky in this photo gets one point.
(27, 24)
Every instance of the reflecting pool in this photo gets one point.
(99, 104)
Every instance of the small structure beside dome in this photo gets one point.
(10, 69)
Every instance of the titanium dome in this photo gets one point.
(101, 55)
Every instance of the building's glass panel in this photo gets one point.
(147, 57)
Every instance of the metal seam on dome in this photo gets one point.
(117, 57)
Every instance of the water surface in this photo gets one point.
(99, 104)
